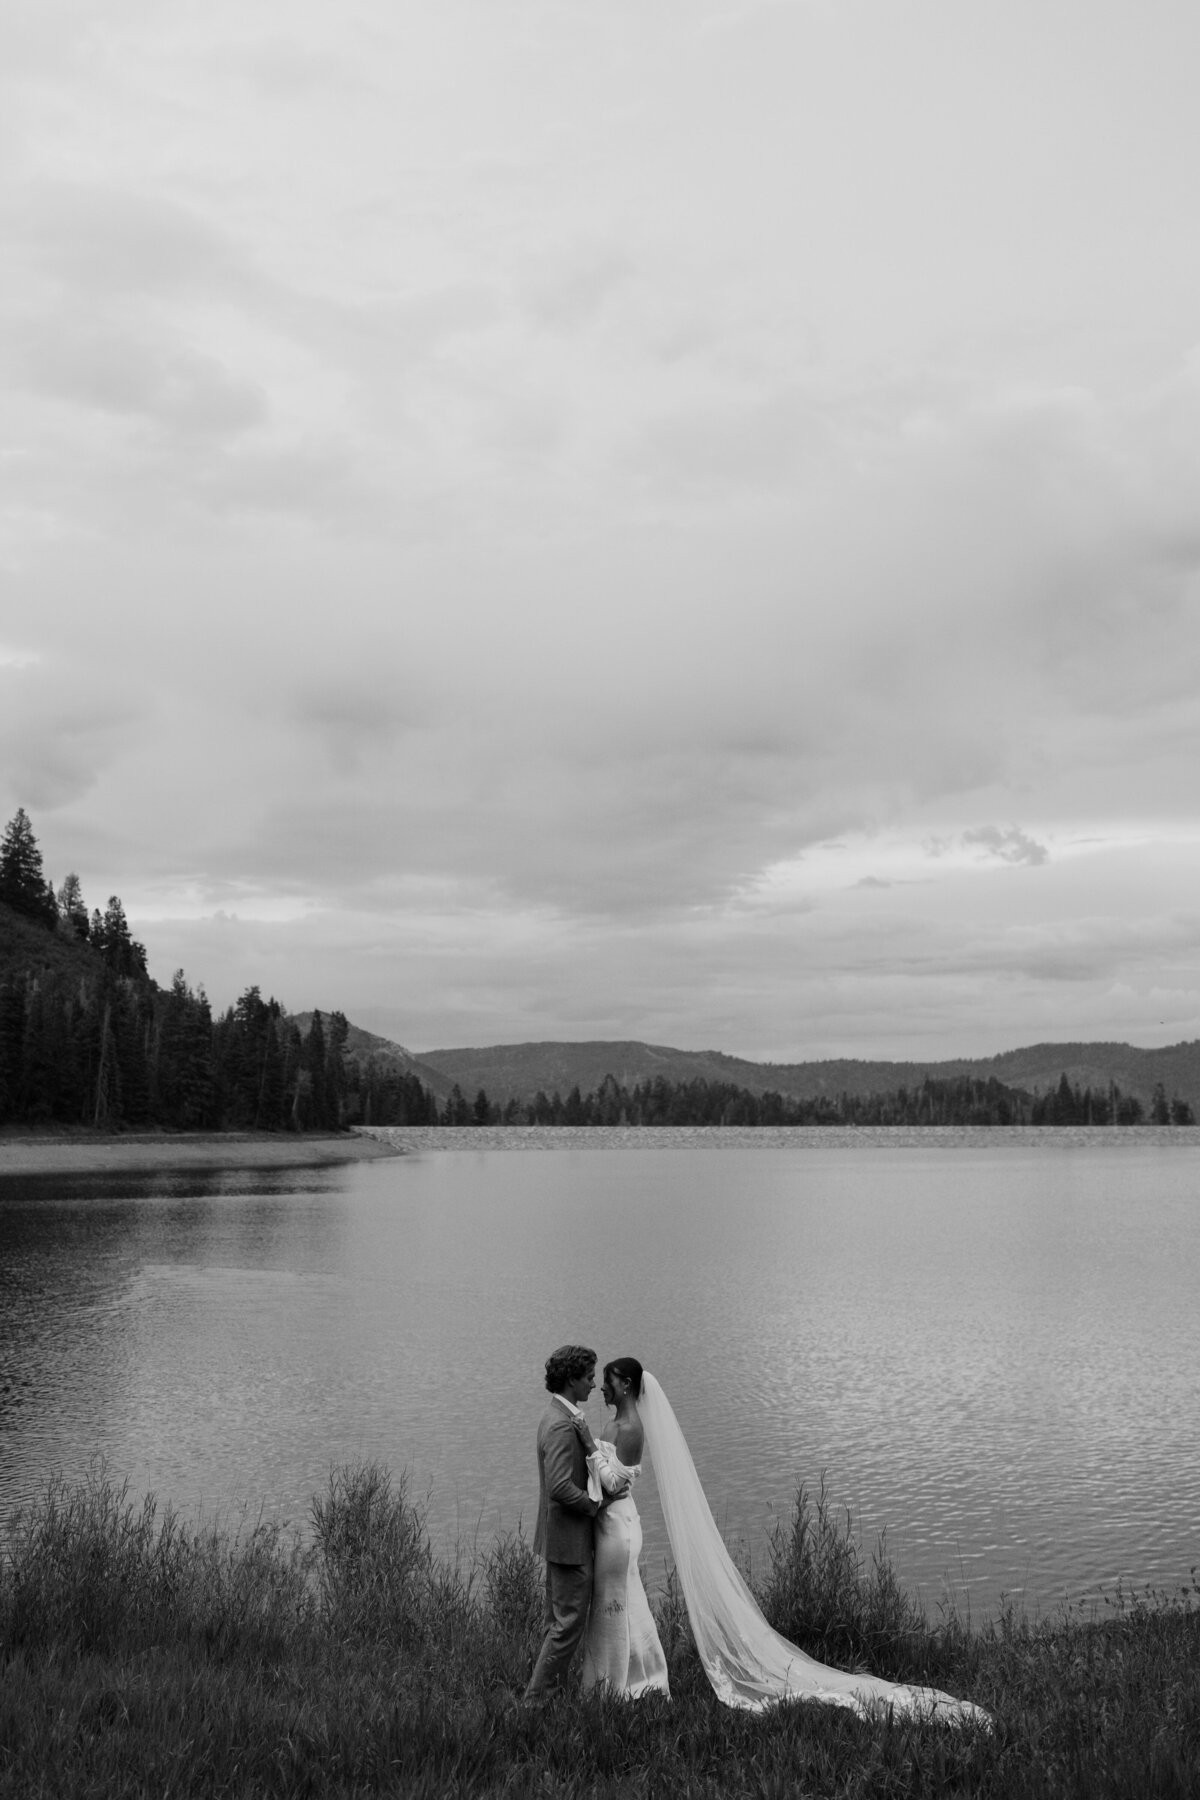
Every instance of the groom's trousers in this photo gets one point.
(568, 1598)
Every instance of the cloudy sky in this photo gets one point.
(674, 519)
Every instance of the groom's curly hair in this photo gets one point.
(568, 1363)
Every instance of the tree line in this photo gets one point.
(960, 1100)
(88, 1038)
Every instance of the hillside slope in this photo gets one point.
(364, 1047)
(29, 948)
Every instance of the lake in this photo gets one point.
(986, 1342)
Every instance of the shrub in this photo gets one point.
(375, 1568)
(820, 1594)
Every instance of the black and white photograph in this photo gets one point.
(599, 899)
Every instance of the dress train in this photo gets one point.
(748, 1664)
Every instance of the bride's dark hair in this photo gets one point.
(629, 1369)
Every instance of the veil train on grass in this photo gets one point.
(748, 1664)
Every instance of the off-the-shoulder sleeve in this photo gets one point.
(606, 1473)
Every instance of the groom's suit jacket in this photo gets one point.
(565, 1508)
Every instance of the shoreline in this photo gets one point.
(27, 1153)
(415, 1139)
(87, 1154)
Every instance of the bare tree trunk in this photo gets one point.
(101, 1114)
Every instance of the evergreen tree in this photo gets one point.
(73, 1002)
(336, 1085)
(270, 1115)
(315, 1063)
(250, 1064)
(12, 1032)
(72, 913)
(106, 1109)
(610, 1103)
(295, 1077)
(131, 1036)
(35, 1098)
(44, 1062)
(122, 953)
(23, 883)
(458, 1108)
(167, 1052)
(183, 1071)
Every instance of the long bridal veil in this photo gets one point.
(750, 1665)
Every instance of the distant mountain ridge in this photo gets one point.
(517, 1071)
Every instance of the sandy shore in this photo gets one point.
(188, 1150)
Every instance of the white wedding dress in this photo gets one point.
(622, 1648)
(748, 1664)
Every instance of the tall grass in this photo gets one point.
(374, 1566)
(835, 1604)
(90, 1570)
(141, 1656)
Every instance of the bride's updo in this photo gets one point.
(629, 1369)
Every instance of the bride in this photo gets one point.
(622, 1648)
(747, 1663)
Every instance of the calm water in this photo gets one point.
(991, 1350)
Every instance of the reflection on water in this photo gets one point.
(990, 1351)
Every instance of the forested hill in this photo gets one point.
(385, 1057)
(520, 1071)
(87, 1038)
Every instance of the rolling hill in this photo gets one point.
(518, 1071)
(508, 1071)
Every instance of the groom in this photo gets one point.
(564, 1521)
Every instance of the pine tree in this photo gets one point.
(72, 913)
(111, 936)
(107, 1106)
(22, 881)
(12, 1033)
(198, 1097)
(295, 1077)
(336, 1084)
(72, 1056)
(458, 1108)
(314, 1059)
(272, 1095)
(247, 1072)
(42, 1055)
(130, 1033)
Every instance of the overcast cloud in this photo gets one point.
(677, 519)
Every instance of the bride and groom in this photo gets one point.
(590, 1535)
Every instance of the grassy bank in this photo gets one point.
(139, 1656)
